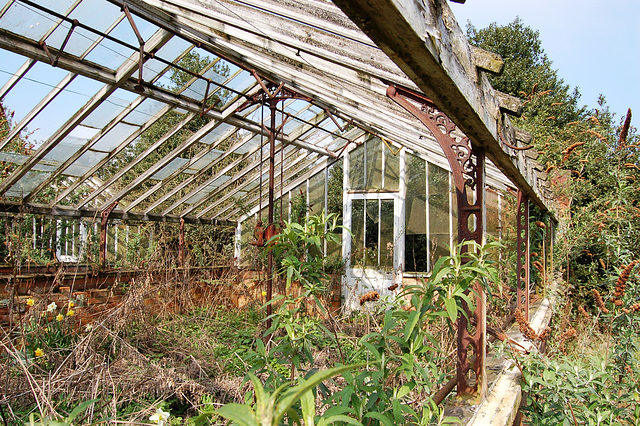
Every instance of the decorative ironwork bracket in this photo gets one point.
(522, 263)
(467, 165)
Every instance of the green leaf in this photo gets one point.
(80, 408)
(414, 316)
(378, 416)
(241, 414)
(308, 404)
(452, 309)
(338, 418)
(294, 394)
(261, 396)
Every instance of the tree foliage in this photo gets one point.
(592, 160)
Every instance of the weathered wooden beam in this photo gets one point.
(425, 41)
(487, 61)
(509, 104)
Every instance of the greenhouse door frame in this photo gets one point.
(361, 279)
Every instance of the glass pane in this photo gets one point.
(83, 164)
(144, 112)
(285, 207)
(391, 170)
(174, 165)
(65, 149)
(386, 233)
(439, 231)
(493, 223)
(374, 164)
(316, 193)
(102, 115)
(334, 202)
(356, 168)
(27, 183)
(203, 162)
(357, 231)
(416, 250)
(216, 133)
(26, 21)
(299, 203)
(114, 137)
(372, 230)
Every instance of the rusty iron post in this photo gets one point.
(523, 253)
(270, 94)
(467, 164)
(181, 254)
(104, 221)
(273, 105)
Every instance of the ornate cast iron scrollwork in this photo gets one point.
(467, 165)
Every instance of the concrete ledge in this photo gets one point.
(503, 399)
(504, 393)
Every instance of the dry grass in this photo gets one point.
(131, 357)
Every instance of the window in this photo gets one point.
(373, 166)
(372, 233)
(427, 214)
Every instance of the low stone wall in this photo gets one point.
(239, 289)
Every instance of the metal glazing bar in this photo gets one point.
(123, 43)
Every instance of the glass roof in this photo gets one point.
(176, 130)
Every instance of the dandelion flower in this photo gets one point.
(39, 352)
(30, 302)
(52, 307)
(160, 417)
(59, 317)
(70, 312)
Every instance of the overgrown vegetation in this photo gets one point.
(173, 352)
(590, 372)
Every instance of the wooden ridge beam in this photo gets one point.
(425, 41)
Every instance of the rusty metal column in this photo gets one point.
(467, 165)
(522, 263)
(472, 335)
(104, 221)
(273, 105)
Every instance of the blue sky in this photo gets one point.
(594, 44)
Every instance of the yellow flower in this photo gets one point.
(59, 317)
(39, 352)
(30, 302)
(264, 293)
(71, 304)
(70, 312)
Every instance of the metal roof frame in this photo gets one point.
(313, 49)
